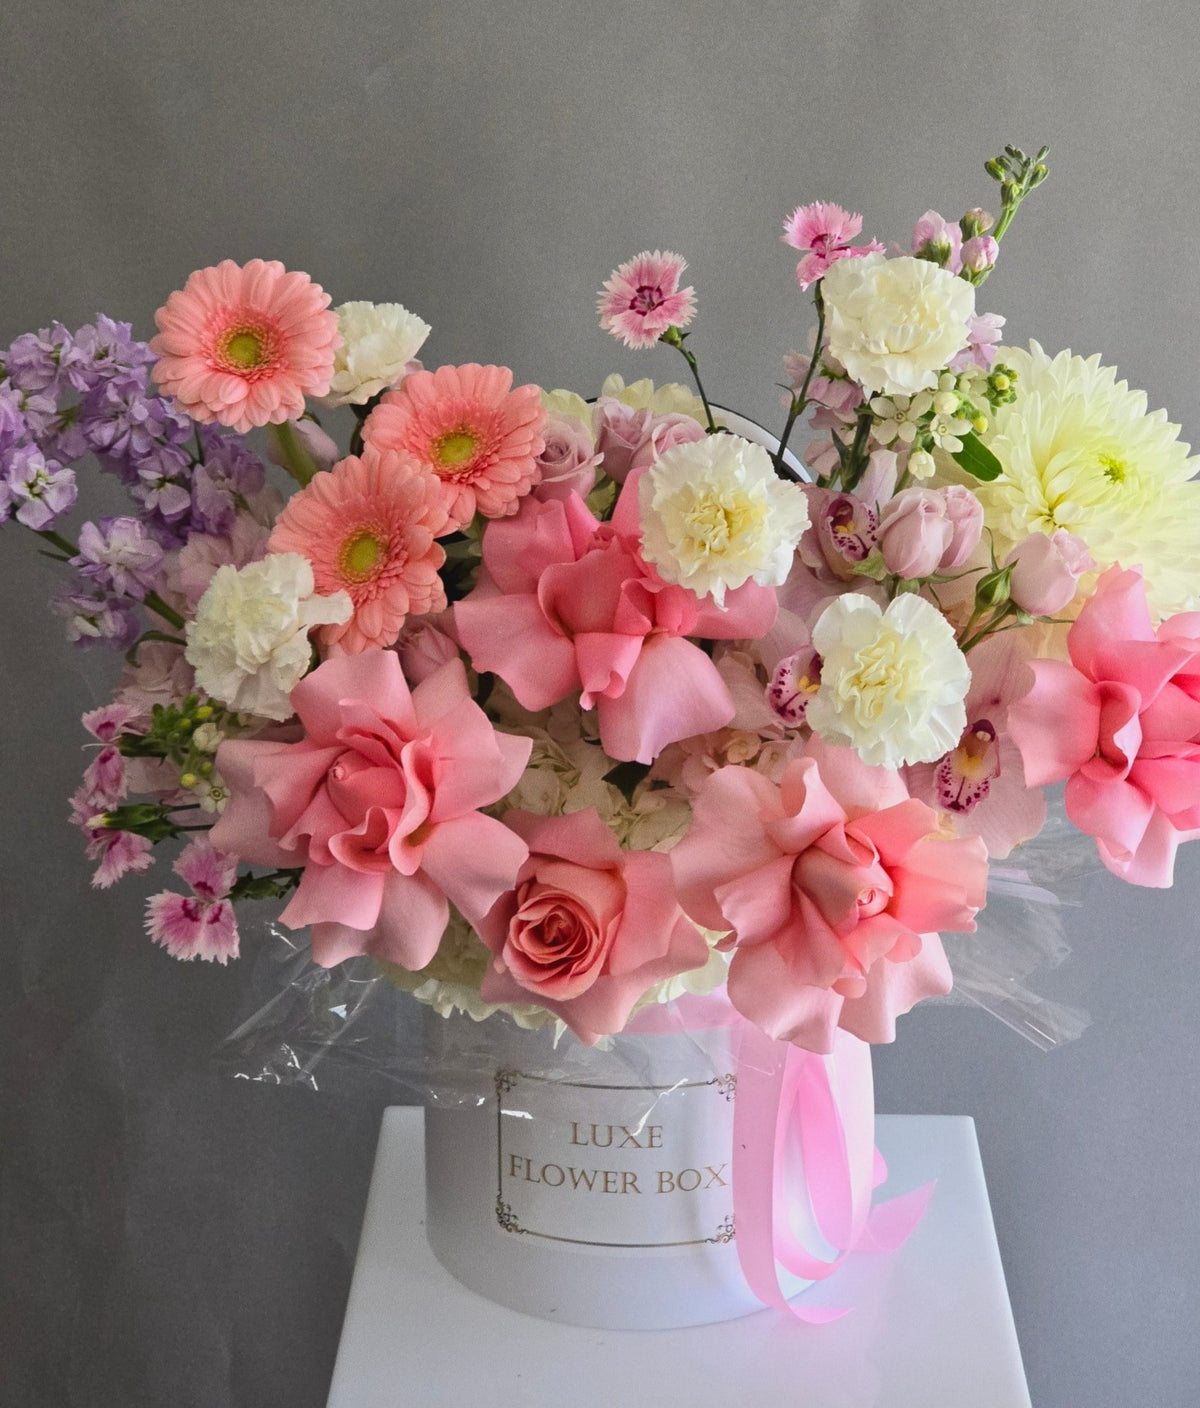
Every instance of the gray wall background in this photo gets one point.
(170, 1236)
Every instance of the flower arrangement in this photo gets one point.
(566, 708)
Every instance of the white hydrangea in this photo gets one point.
(893, 683)
(378, 340)
(894, 324)
(248, 643)
(1080, 451)
(715, 515)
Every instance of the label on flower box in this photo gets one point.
(615, 1166)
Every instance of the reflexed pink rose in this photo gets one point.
(379, 802)
(568, 461)
(833, 883)
(1121, 725)
(965, 513)
(915, 533)
(588, 927)
(663, 434)
(619, 431)
(1046, 571)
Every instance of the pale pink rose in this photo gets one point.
(1046, 571)
(833, 883)
(965, 513)
(426, 644)
(663, 433)
(568, 460)
(587, 927)
(620, 430)
(938, 240)
(915, 533)
(1121, 725)
(379, 803)
(566, 603)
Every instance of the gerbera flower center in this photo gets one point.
(361, 554)
(455, 449)
(244, 348)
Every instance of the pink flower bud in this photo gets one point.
(965, 513)
(878, 482)
(424, 647)
(662, 434)
(979, 253)
(915, 532)
(1046, 571)
(321, 447)
(936, 239)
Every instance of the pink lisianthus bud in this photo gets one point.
(965, 513)
(568, 461)
(664, 433)
(321, 448)
(1046, 571)
(619, 431)
(915, 533)
(938, 241)
(979, 253)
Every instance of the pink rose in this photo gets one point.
(566, 603)
(588, 927)
(379, 803)
(568, 460)
(426, 643)
(915, 533)
(662, 434)
(619, 431)
(965, 513)
(1121, 724)
(832, 881)
(1046, 571)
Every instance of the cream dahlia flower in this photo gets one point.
(1081, 452)
(248, 643)
(715, 515)
(894, 324)
(893, 683)
(672, 398)
(378, 341)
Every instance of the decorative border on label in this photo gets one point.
(506, 1217)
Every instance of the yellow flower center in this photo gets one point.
(360, 554)
(456, 448)
(713, 525)
(244, 349)
(1114, 469)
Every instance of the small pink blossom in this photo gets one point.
(120, 853)
(1046, 571)
(209, 873)
(825, 231)
(937, 240)
(109, 721)
(984, 331)
(979, 254)
(642, 299)
(189, 927)
(104, 778)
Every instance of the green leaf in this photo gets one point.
(977, 459)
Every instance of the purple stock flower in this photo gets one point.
(105, 347)
(94, 617)
(33, 489)
(123, 423)
(119, 555)
(33, 361)
(229, 476)
(12, 422)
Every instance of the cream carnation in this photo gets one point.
(715, 515)
(249, 641)
(378, 341)
(895, 323)
(893, 683)
(1080, 452)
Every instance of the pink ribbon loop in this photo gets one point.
(805, 1166)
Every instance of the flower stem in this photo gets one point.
(168, 613)
(674, 338)
(800, 399)
(296, 459)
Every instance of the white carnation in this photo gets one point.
(715, 515)
(895, 323)
(893, 683)
(248, 643)
(378, 340)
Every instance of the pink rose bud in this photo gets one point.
(568, 461)
(663, 434)
(915, 532)
(979, 253)
(619, 431)
(965, 513)
(1046, 571)
(424, 647)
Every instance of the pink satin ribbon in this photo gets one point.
(803, 1142)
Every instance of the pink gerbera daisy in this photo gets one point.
(642, 299)
(479, 439)
(369, 526)
(244, 345)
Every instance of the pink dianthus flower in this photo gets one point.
(824, 232)
(642, 299)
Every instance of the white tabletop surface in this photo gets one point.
(930, 1325)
